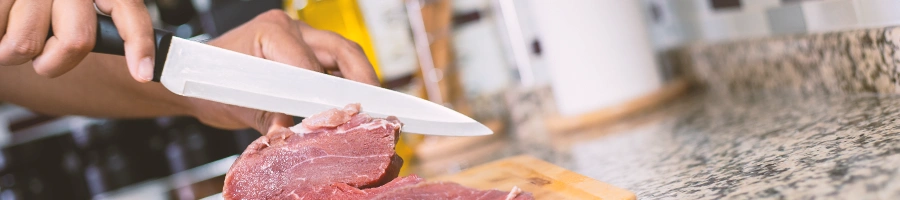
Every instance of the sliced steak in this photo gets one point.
(449, 190)
(337, 154)
(413, 188)
(358, 152)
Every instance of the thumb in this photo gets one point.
(278, 39)
(286, 47)
(267, 122)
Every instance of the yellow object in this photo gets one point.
(345, 18)
(405, 151)
(340, 16)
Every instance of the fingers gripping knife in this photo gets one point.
(202, 71)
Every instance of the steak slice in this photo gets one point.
(448, 190)
(337, 154)
(336, 147)
(412, 188)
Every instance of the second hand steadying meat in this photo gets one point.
(337, 154)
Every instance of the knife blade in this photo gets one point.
(202, 71)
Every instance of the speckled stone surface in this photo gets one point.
(797, 117)
(705, 147)
(846, 62)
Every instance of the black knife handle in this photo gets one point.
(110, 42)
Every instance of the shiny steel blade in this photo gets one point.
(206, 72)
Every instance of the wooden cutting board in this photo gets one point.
(542, 179)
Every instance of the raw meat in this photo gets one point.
(331, 118)
(337, 154)
(358, 152)
(449, 190)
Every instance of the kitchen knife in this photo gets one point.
(202, 71)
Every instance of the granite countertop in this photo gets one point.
(704, 146)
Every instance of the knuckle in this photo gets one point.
(343, 41)
(77, 45)
(262, 120)
(351, 46)
(275, 16)
(24, 48)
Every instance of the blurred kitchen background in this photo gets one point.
(553, 79)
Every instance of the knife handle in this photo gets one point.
(110, 42)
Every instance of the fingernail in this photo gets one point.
(145, 70)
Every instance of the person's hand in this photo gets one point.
(275, 36)
(24, 25)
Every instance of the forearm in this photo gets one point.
(99, 86)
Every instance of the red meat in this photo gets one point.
(337, 154)
(358, 152)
